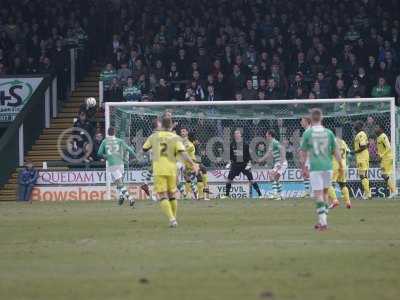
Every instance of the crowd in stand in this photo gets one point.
(212, 50)
(251, 49)
(35, 34)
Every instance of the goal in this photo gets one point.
(213, 123)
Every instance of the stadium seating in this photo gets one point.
(287, 49)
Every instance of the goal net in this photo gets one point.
(213, 123)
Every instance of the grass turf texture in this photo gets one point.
(243, 249)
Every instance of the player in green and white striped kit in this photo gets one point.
(278, 153)
(319, 144)
(113, 150)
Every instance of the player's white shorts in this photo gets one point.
(116, 172)
(280, 168)
(320, 180)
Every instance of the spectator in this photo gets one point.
(18, 67)
(238, 96)
(210, 94)
(297, 83)
(222, 87)
(397, 88)
(248, 93)
(27, 179)
(158, 70)
(272, 93)
(46, 66)
(261, 95)
(123, 73)
(363, 79)
(333, 67)
(195, 90)
(382, 89)
(356, 90)
(31, 66)
(370, 127)
(2, 69)
(316, 65)
(163, 91)
(132, 92)
(340, 89)
(114, 91)
(107, 76)
(139, 69)
(237, 79)
(324, 84)
(98, 138)
(319, 92)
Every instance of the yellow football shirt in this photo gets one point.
(165, 146)
(344, 151)
(361, 139)
(384, 147)
(190, 150)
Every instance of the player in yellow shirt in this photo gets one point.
(189, 174)
(362, 157)
(166, 146)
(386, 159)
(340, 177)
(202, 184)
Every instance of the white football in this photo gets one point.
(91, 102)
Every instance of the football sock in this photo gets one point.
(205, 179)
(206, 192)
(257, 188)
(174, 206)
(200, 188)
(193, 183)
(365, 185)
(120, 195)
(147, 178)
(205, 185)
(123, 191)
(146, 189)
(322, 212)
(274, 188)
(228, 189)
(331, 194)
(279, 188)
(307, 185)
(391, 186)
(181, 187)
(345, 194)
(167, 209)
(188, 188)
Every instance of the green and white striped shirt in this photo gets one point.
(275, 148)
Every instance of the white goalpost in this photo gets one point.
(212, 120)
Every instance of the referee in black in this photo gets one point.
(240, 162)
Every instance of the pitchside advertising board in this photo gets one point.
(90, 185)
(14, 94)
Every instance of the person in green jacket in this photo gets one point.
(382, 89)
(132, 92)
(107, 75)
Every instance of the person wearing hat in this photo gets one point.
(27, 179)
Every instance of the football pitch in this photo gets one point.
(226, 249)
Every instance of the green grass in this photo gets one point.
(222, 250)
